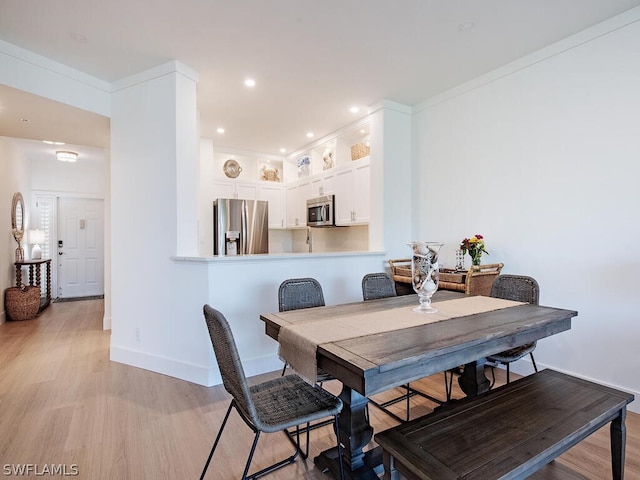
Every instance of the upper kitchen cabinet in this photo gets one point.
(298, 193)
(352, 191)
(237, 190)
(275, 195)
(336, 165)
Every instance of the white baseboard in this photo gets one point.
(207, 376)
(525, 367)
(199, 374)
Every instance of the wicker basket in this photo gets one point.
(359, 150)
(22, 303)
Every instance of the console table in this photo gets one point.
(35, 277)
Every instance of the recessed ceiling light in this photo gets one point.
(49, 142)
(310, 135)
(354, 109)
(283, 150)
(220, 130)
(363, 131)
(250, 82)
(463, 27)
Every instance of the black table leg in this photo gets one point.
(473, 381)
(618, 443)
(355, 434)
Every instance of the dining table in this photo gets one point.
(376, 345)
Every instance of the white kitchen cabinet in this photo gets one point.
(323, 184)
(237, 190)
(352, 192)
(297, 195)
(275, 195)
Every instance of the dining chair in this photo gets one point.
(376, 286)
(297, 293)
(520, 288)
(271, 406)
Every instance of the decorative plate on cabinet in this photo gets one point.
(231, 168)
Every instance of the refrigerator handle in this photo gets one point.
(244, 229)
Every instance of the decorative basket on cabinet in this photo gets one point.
(360, 150)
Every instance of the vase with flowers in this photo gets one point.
(475, 246)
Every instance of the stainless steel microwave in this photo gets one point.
(321, 211)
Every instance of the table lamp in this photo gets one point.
(36, 237)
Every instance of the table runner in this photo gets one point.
(299, 342)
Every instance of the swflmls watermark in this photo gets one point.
(40, 470)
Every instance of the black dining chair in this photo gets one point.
(271, 406)
(376, 286)
(519, 288)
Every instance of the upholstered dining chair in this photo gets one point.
(376, 286)
(520, 288)
(271, 406)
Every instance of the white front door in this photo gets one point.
(80, 247)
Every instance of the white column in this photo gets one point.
(391, 225)
(156, 304)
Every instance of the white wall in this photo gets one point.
(243, 288)
(81, 177)
(541, 158)
(14, 177)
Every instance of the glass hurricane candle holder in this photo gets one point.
(425, 273)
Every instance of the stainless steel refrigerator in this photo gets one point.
(240, 227)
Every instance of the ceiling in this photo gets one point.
(311, 60)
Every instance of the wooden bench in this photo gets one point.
(506, 433)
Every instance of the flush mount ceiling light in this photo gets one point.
(250, 82)
(66, 156)
(50, 142)
(220, 130)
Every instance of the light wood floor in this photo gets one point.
(62, 402)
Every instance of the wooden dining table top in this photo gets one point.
(374, 363)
